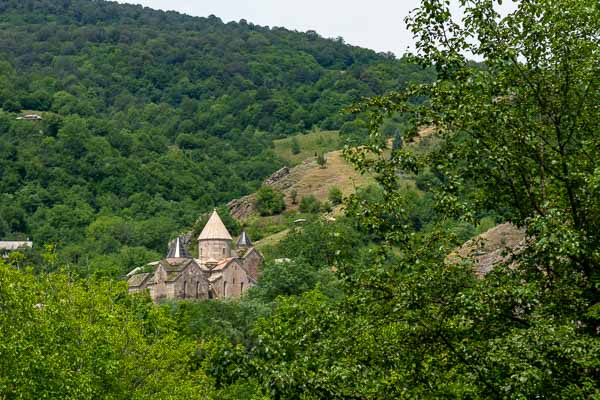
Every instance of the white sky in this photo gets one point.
(375, 24)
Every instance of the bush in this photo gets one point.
(295, 146)
(326, 206)
(269, 201)
(321, 160)
(426, 181)
(335, 195)
(310, 204)
(294, 196)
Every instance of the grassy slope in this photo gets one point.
(307, 178)
(310, 143)
(317, 181)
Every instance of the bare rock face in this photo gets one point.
(495, 246)
(243, 207)
(186, 239)
(277, 177)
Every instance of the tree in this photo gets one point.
(524, 127)
(91, 339)
(321, 160)
(335, 195)
(269, 201)
(288, 279)
(517, 135)
(295, 146)
(133, 141)
(397, 140)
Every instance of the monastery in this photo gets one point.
(219, 272)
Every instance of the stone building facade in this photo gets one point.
(220, 271)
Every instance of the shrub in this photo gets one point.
(326, 206)
(335, 195)
(295, 146)
(321, 160)
(269, 201)
(294, 196)
(310, 204)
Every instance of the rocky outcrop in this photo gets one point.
(243, 207)
(492, 247)
(277, 177)
(186, 240)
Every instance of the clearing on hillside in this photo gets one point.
(308, 145)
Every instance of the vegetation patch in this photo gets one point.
(297, 148)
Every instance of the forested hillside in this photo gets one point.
(382, 298)
(151, 117)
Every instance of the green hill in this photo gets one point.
(297, 148)
(151, 117)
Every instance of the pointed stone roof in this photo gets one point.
(214, 229)
(177, 250)
(244, 240)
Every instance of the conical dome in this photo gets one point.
(177, 250)
(214, 229)
(244, 240)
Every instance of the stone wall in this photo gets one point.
(252, 262)
(159, 289)
(192, 284)
(233, 282)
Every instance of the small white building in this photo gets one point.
(30, 117)
(6, 246)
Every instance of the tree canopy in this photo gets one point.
(371, 304)
(151, 118)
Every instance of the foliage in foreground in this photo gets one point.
(71, 339)
(518, 139)
(519, 136)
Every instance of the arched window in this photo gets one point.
(225, 289)
(184, 288)
(197, 290)
(223, 250)
(242, 287)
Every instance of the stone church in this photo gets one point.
(219, 272)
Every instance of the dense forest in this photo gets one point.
(152, 117)
(376, 303)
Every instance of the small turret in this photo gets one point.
(177, 250)
(244, 241)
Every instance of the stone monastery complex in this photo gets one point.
(219, 272)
